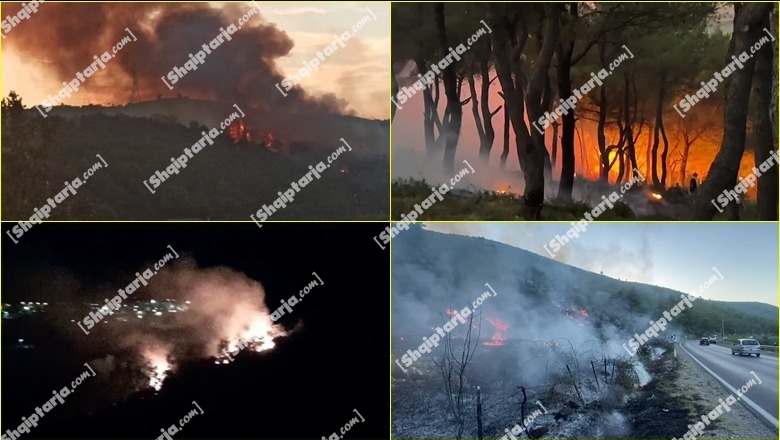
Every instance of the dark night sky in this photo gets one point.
(307, 387)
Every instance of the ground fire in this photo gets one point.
(498, 338)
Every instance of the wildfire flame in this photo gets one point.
(239, 132)
(656, 196)
(498, 324)
(259, 336)
(498, 338)
(572, 313)
(503, 189)
(271, 143)
(157, 357)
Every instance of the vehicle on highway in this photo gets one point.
(713, 340)
(704, 341)
(746, 346)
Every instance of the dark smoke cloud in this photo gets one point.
(243, 70)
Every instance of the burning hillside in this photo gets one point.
(552, 330)
(224, 308)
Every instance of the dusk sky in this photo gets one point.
(358, 72)
(677, 256)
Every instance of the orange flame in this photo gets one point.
(271, 143)
(498, 324)
(239, 132)
(158, 359)
(656, 196)
(498, 338)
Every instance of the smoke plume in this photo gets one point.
(65, 37)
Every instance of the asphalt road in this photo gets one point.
(734, 372)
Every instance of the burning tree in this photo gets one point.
(452, 368)
(239, 132)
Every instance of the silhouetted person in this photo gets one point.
(694, 185)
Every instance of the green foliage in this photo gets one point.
(223, 181)
(626, 375)
(644, 353)
(488, 205)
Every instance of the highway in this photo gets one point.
(718, 362)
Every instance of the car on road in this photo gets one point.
(746, 346)
(713, 340)
(704, 341)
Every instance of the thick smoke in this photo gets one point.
(242, 70)
(222, 307)
(556, 314)
(225, 305)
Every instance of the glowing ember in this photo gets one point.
(271, 143)
(498, 338)
(584, 313)
(344, 170)
(656, 196)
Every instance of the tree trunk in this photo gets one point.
(485, 130)
(484, 153)
(665, 153)
(486, 144)
(554, 158)
(659, 111)
(539, 137)
(430, 115)
(725, 168)
(564, 58)
(534, 198)
(505, 153)
(530, 153)
(621, 167)
(765, 142)
(602, 138)
(684, 162)
(454, 115)
(648, 152)
(630, 124)
(567, 125)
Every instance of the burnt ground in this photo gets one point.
(676, 396)
(679, 395)
(659, 409)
